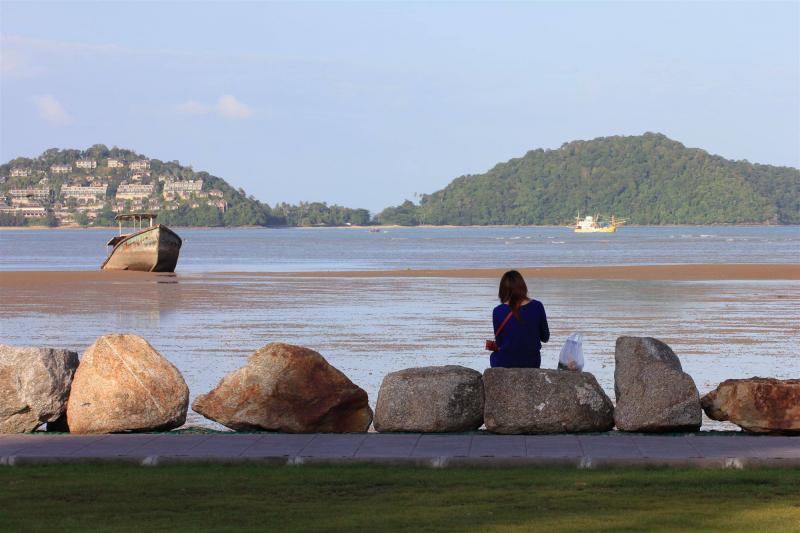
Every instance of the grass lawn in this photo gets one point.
(219, 497)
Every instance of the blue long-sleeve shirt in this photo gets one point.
(520, 342)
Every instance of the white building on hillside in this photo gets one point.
(42, 193)
(86, 195)
(19, 172)
(131, 191)
(86, 163)
(116, 163)
(184, 188)
(60, 169)
(141, 165)
(220, 204)
(27, 212)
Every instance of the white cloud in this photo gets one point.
(51, 109)
(11, 63)
(61, 48)
(229, 107)
(191, 107)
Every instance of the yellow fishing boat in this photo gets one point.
(592, 224)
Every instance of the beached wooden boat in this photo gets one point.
(151, 249)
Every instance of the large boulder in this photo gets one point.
(287, 388)
(653, 392)
(123, 384)
(533, 400)
(432, 399)
(34, 386)
(759, 405)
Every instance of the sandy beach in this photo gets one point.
(687, 272)
(723, 320)
(639, 272)
(375, 303)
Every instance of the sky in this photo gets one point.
(367, 104)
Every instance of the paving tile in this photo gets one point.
(278, 445)
(498, 446)
(57, 446)
(115, 445)
(552, 446)
(616, 447)
(171, 445)
(388, 445)
(442, 446)
(223, 446)
(333, 445)
(777, 446)
(9, 444)
(401, 445)
(10, 448)
(716, 446)
(662, 447)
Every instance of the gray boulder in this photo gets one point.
(533, 400)
(433, 399)
(34, 386)
(653, 392)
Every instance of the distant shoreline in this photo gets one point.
(395, 226)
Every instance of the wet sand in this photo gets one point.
(688, 272)
(723, 321)
(639, 272)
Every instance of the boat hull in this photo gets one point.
(153, 249)
(611, 229)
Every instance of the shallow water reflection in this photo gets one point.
(320, 249)
(207, 324)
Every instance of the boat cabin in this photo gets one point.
(136, 218)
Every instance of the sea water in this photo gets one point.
(207, 321)
(296, 249)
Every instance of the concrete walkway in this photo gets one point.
(434, 450)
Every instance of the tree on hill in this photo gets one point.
(647, 179)
(97, 152)
(406, 214)
(242, 210)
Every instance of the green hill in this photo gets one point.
(646, 179)
(88, 187)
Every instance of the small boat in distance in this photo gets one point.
(591, 224)
(150, 249)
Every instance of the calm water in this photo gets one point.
(207, 322)
(275, 250)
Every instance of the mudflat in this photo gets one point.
(723, 320)
(704, 271)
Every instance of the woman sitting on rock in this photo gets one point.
(520, 325)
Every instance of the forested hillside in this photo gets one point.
(646, 179)
(89, 187)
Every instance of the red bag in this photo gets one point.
(491, 345)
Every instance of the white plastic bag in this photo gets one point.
(571, 356)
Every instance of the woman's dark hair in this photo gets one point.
(513, 291)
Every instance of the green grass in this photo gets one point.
(219, 497)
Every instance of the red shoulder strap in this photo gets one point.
(503, 324)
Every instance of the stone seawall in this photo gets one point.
(122, 384)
